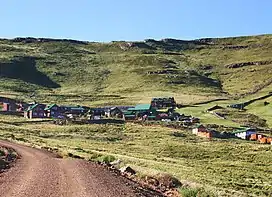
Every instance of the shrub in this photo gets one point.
(168, 181)
(106, 158)
(2, 153)
(189, 192)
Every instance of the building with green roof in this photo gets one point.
(139, 110)
(52, 110)
(244, 133)
(35, 111)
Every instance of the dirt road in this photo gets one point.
(41, 174)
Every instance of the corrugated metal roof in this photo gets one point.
(142, 107)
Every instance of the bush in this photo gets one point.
(2, 153)
(168, 181)
(189, 192)
(195, 192)
(106, 158)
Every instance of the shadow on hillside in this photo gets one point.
(24, 68)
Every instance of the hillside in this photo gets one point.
(132, 72)
(200, 74)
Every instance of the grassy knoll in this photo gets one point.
(223, 167)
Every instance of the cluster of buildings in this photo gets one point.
(162, 109)
(242, 133)
(253, 135)
(159, 109)
(11, 105)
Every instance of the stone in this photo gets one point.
(127, 170)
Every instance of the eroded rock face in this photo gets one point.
(242, 64)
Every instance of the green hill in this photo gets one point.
(203, 72)
(131, 72)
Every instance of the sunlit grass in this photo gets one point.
(217, 165)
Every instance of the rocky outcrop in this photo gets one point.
(127, 170)
(243, 64)
(235, 47)
(205, 67)
(39, 40)
(161, 72)
(139, 45)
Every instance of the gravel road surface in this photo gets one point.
(39, 173)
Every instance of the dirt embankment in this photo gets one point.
(7, 157)
(42, 174)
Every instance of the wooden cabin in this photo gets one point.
(115, 112)
(244, 133)
(202, 131)
(35, 111)
(163, 102)
(52, 110)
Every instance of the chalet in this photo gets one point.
(11, 107)
(35, 111)
(244, 133)
(97, 113)
(142, 108)
(139, 111)
(52, 110)
(75, 110)
(130, 115)
(163, 102)
(115, 112)
(202, 131)
(255, 136)
(199, 128)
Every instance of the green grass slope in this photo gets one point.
(132, 72)
(230, 167)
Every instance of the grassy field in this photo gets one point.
(199, 74)
(220, 167)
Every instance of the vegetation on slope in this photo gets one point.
(136, 70)
(224, 167)
(126, 73)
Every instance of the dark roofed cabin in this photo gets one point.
(164, 102)
(76, 110)
(52, 110)
(115, 112)
(35, 111)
